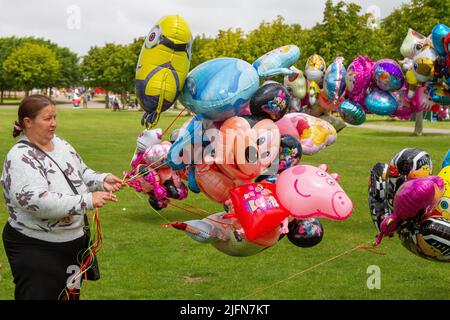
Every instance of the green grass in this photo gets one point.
(141, 259)
(387, 121)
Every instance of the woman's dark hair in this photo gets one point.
(30, 108)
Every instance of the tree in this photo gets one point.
(69, 62)
(111, 67)
(31, 66)
(345, 32)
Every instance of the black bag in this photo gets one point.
(93, 273)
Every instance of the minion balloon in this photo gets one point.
(162, 66)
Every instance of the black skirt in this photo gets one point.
(43, 270)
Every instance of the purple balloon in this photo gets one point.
(388, 75)
(412, 197)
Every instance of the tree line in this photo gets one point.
(27, 63)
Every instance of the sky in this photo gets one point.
(80, 24)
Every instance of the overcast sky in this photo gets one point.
(80, 24)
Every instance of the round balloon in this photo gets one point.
(430, 239)
(305, 233)
(388, 75)
(290, 152)
(406, 164)
(270, 101)
(381, 102)
(352, 113)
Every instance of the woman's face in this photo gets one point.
(43, 126)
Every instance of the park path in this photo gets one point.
(91, 105)
(400, 129)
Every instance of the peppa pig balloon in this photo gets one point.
(308, 191)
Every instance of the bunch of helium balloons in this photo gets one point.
(420, 82)
(405, 197)
(241, 149)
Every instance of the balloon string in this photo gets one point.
(144, 172)
(87, 257)
(306, 270)
(173, 121)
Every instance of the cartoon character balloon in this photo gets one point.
(219, 88)
(162, 66)
(277, 61)
(315, 70)
(308, 191)
(313, 133)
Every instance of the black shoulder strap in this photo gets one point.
(32, 145)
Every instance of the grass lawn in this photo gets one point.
(388, 121)
(141, 259)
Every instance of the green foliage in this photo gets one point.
(419, 15)
(111, 67)
(344, 31)
(32, 66)
(68, 74)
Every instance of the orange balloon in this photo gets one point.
(214, 184)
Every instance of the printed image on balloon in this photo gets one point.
(305, 233)
(388, 75)
(381, 102)
(271, 101)
(352, 113)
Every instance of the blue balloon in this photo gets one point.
(192, 134)
(192, 182)
(334, 81)
(220, 88)
(277, 61)
(439, 31)
(381, 102)
(446, 161)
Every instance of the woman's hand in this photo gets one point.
(112, 183)
(99, 198)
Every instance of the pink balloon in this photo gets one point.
(358, 77)
(411, 198)
(307, 191)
